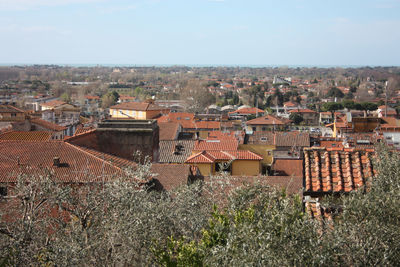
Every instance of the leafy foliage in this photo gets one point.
(123, 223)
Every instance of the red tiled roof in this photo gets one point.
(288, 167)
(336, 171)
(141, 106)
(184, 119)
(92, 97)
(48, 125)
(170, 176)
(53, 103)
(9, 108)
(211, 156)
(207, 125)
(27, 136)
(268, 120)
(201, 145)
(168, 130)
(290, 104)
(77, 164)
(81, 129)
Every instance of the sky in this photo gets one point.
(201, 32)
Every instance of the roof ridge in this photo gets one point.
(94, 156)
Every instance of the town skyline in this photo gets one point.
(219, 32)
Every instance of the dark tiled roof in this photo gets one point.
(173, 151)
(168, 130)
(27, 136)
(337, 170)
(282, 139)
(292, 139)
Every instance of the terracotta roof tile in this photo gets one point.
(9, 108)
(337, 170)
(27, 136)
(77, 164)
(201, 145)
(186, 120)
(268, 120)
(212, 156)
(168, 130)
(53, 103)
(208, 125)
(141, 106)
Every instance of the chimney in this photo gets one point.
(56, 162)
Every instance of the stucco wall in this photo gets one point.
(246, 167)
(261, 150)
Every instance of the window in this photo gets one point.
(223, 166)
(13, 114)
(3, 191)
(254, 128)
(264, 128)
(269, 153)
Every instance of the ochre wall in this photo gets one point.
(133, 114)
(261, 150)
(246, 167)
(204, 168)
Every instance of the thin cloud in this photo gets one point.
(30, 4)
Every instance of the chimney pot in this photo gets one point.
(56, 161)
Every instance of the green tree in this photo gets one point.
(332, 107)
(296, 118)
(335, 92)
(65, 97)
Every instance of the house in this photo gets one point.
(235, 162)
(54, 104)
(281, 151)
(267, 123)
(137, 111)
(310, 117)
(213, 109)
(263, 144)
(325, 117)
(384, 111)
(11, 113)
(126, 98)
(58, 131)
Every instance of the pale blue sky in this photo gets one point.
(205, 32)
